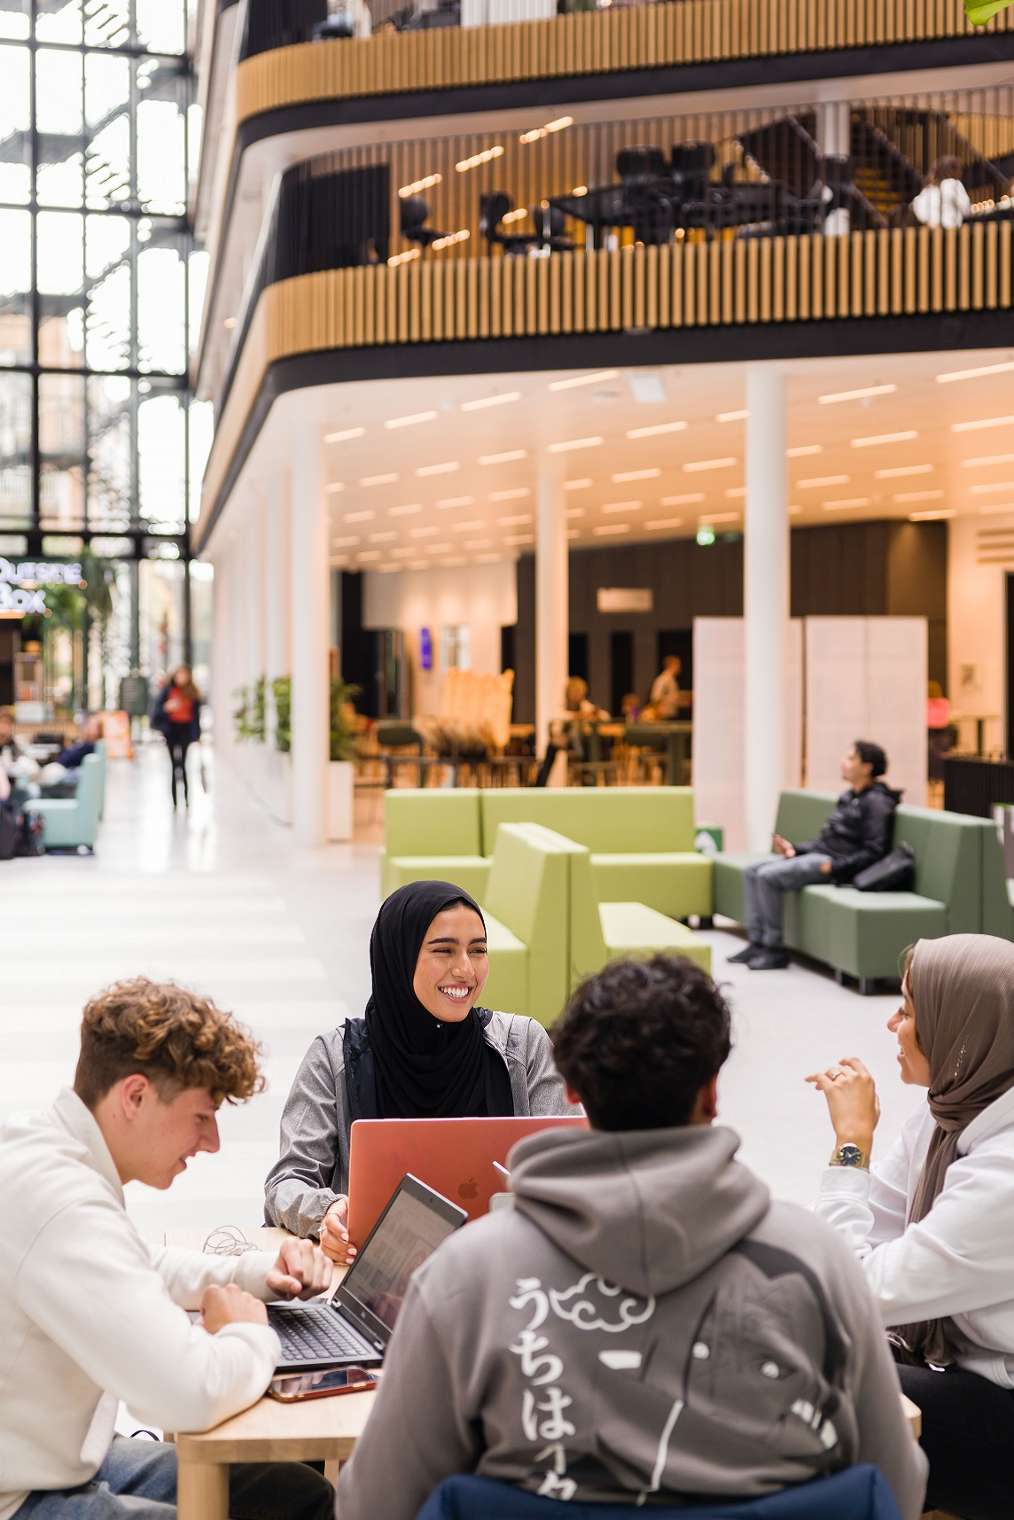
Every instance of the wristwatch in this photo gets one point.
(849, 1155)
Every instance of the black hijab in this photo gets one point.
(425, 1069)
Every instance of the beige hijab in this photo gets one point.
(962, 989)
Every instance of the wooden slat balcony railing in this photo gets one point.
(668, 34)
(869, 275)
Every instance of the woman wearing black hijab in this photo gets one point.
(424, 1050)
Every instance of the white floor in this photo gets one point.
(220, 899)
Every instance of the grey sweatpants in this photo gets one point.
(766, 883)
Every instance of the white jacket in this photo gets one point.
(943, 205)
(90, 1315)
(957, 1262)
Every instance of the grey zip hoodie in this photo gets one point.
(643, 1326)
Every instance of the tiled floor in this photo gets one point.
(222, 900)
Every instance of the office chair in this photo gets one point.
(550, 220)
(413, 211)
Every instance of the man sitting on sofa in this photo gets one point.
(644, 1326)
(856, 834)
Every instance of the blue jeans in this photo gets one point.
(765, 885)
(137, 1481)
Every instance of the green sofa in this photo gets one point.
(525, 906)
(72, 823)
(863, 934)
(640, 839)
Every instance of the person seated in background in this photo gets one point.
(72, 757)
(943, 201)
(630, 707)
(10, 750)
(857, 833)
(90, 1314)
(582, 1344)
(425, 1049)
(932, 1224)
(665, 690)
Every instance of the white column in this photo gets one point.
(765, 602)
(551, 612)
(255, 597)
(277, 597)
(834, 140)
(309, 635)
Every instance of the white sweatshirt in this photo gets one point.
(957, 1262)
(943, 205)
(90, 1315)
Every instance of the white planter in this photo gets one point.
(340, 794)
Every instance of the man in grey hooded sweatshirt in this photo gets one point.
(644, 1326)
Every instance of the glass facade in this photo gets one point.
(97, 298)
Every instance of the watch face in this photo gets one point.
(850, 1155)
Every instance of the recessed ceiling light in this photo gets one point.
(571, 445)
(378, 480)
(481, 402)
(622, 506)
(936, 516)
(576, 485)
(382, 538)
(802, 450)
(344, 435)
(365, 516)
(334, 487)
(795, 511)
(447, 502)
(411, 420)
(720, 517)
(407, 257)
(995, 510)
(418, 564)
(846, 505)
(655, 429)
(514, 522)
(389, 569)
(517, 539)
(488, 559)
(735, 491)
(438, 548)
(229, 323)
(625, 476)
(664, 522)
(468, 527)
(455, 562)
(986, 459)
(898, 470)
(973, 374)
(575, 511)
(823, 480)
(479, 543)
(402, 553)
(611, 528)
(989, 490)
(426, 532)
(859, 395)
(507, 457)
(685, 500)
(344, 543)
(980, 423)
(419, 185)
(515, 494)
(878, 438)
(917, 496)
(476, 159)
(447, 468)
(732, 416)
(724, 463)
(369, 554)
(576, 380)
(408, 510)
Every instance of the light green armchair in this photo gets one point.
(72, 823)
(526, 913)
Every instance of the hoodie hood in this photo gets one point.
(648, 1210)
(894, 794)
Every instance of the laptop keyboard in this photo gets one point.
(314, 1334)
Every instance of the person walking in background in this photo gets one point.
(943, 201)
(665, 689)
(177, 717)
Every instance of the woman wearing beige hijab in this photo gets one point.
(933, 1222)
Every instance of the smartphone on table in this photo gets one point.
(292, 1388)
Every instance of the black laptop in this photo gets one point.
(354, 1328)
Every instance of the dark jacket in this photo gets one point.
(161, 721)
(858, 831)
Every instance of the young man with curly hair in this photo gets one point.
(644, 1326)
(91, 1315)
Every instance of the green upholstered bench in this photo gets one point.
(525, 907)
(432, 833)
(72, 823)
(863, 934)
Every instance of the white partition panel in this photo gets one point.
(719, 666)
(866, 679)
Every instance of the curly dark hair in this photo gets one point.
(176, 1038)
(639, 1040)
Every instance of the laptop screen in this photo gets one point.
(414, 1223)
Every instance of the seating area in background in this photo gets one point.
(960, 887)
(72, 823)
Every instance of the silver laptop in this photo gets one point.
(354, 1328)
